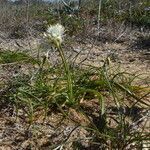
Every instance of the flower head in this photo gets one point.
(55, 33)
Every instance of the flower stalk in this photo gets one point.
(55, 35)
(68, 74)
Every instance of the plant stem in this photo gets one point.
(69, 79)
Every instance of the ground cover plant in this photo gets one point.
(71, 103)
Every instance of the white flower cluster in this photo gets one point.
(55, 33)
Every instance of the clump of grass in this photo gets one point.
(48, 86)
(12, 57)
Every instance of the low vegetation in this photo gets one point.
(108, 104)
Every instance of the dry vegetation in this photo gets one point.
(97, 96)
